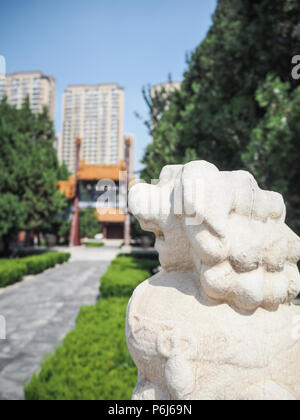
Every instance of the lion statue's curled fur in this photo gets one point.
(242, 249)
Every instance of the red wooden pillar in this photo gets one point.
(75, 228)
(127, 233)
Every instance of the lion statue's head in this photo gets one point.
(223, 227)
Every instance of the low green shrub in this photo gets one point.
(38, 264)
(93, 362)
(13, 270)
(94, 244)
(125, 274)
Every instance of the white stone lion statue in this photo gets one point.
(217, 323)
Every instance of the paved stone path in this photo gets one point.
(41, 310)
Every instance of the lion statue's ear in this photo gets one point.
(169, 174)
(207, 197)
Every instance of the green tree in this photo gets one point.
(89, 224)
(163, 106)
(42, 194)
(63, 228)
(214, 113)
(273, 154)
(29, 172)
(63, 172)
(13, 169)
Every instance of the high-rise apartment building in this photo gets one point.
(95, 113)
(168, 87)
(57, 146)
(164, 90)
(38, 87)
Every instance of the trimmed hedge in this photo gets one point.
(93, 363)
(41, 263)
(13, 271)
(125, 274)
(94, 244)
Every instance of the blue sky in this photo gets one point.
(130, 42)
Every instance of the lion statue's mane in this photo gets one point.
(222, 226)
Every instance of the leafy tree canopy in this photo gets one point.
(221, 113)
(273, 154)
(29, 172)
(89, 224)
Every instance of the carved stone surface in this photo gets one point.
(217, 323)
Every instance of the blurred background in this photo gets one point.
(89, 90)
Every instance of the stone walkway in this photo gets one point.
(41, 310)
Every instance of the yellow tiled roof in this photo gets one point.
(91, 173)
(118, 217)
(98, 172)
